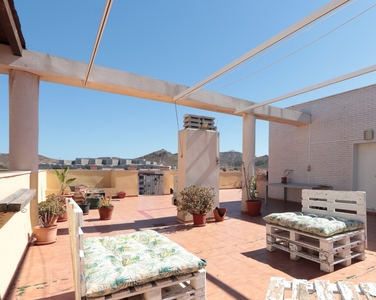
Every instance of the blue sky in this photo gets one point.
(182, 42)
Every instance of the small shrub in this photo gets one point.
(196, 199)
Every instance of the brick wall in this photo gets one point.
(326, 145)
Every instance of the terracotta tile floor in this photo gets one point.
(239, 266)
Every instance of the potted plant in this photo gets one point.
(94, 199)
(121, 194)
(249, 184)
(105, 208)
(198, 201)
(48, 212)
(286, 173)
(219, 214)
(83, 203)
(60, 199)
(61, 176)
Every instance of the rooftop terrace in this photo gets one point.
(239, 266)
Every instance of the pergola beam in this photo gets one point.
(10, 28)
(60, 70)
(310, 88)
(275, 39)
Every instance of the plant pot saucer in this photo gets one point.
(44, 243)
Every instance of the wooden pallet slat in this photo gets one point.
(368, 289)
(276, 289)
(301, 289)
(324, 290)
(17, 201)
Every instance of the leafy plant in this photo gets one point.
(106, 202)
(61, 176)
(196, 199)
(249, 183)
(48, 212)
(57, 198)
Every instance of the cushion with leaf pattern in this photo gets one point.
(113, 263)
(311, 223)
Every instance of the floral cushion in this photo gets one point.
(113, 263)
(311, 223)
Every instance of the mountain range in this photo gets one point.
(229, 159)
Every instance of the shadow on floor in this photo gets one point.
(221, 285)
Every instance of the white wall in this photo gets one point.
(198, 153)
(326, 145)
(15, 228)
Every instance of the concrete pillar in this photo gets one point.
(23, 128)
(198, 161)
(249, 152)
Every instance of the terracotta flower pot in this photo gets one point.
(105, 213)
(121, 194)
(219, 214)
(254, 207)
(45, 235)
(63, 217)
(199, 220)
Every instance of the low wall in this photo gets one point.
(15, 228)
(113, 181)
(230, 180)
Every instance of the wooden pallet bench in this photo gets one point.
(327, 251)
(179, 287)
(301, 289)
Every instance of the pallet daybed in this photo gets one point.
(302, 289)
(140, 265)
(330, 229)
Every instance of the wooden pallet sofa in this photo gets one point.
(140, 265)
(302, 289)
(331, 228)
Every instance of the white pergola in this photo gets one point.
(28, 68)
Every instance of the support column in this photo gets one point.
(198, 158)
(249, 152)
(23, 128)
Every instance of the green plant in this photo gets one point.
(196, 199)
(287, 172)
(61, 176)
(106, 202)
(48, 212)
(249, 183)
(57, 198)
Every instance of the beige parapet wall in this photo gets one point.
(113, 181)
(230, 180)
(15, 228)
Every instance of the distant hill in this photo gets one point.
(229, 159)
(4, 160)
(233, 159)
(162, 157)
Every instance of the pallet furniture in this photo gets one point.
(324, 290)
(328, 251)
(188, 285)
